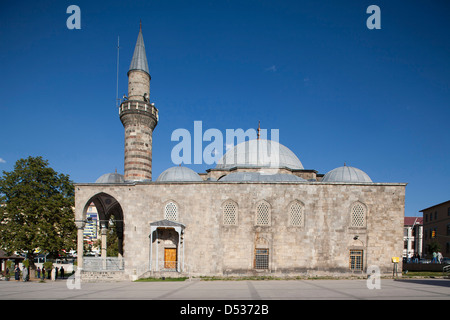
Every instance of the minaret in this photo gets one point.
(139, 117)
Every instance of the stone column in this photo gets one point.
(152, 229)
(80, 233)
(104, 232)
(178, 230)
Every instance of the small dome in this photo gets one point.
(178, 173)
(111, 178)
(258, 177)
(346, 174)
(259, 154)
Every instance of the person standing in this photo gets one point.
(17, 273)
(24, 274)
(53, 274)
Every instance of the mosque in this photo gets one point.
(246, 216)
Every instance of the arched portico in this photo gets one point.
(108, 210)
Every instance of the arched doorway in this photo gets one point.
(110, 226)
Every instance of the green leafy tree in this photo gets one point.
(36, 209)
(434, 247)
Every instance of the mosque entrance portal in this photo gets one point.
(166, 246)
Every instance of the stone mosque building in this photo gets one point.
(242, 217)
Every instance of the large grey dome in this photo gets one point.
(111, 178)
(260, 154)
(258, 177)
(178, 173)
(346, 174)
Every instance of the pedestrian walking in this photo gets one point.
(38, 272)
(434, 258)
(62, 271)
(439, 257)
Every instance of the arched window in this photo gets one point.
(296, 218)
(171, 211)
(263, 214)
(230, 213)
(358, 215)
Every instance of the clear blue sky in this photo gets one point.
(378, 100)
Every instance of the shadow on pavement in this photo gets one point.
(433, 282)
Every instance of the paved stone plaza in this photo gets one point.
(424, 289)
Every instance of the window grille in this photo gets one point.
(261, 258)
(358, 216)
(356, 260)
(171, 212)
(263, 214)
(230, 213)
(296, 214)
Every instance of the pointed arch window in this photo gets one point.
(171, 211)
(230, 216)
(358, 215)
(296, 215)
(263, 214)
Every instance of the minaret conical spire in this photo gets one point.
(139, 61)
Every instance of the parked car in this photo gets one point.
(425, 261)
(446, 260)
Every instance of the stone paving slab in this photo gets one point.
(423, 289)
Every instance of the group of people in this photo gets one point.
(413, 258)
(25, 276)
(437, 257)
(52, 273)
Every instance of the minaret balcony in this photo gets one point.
(138, 107)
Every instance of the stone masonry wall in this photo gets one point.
(320, 246)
